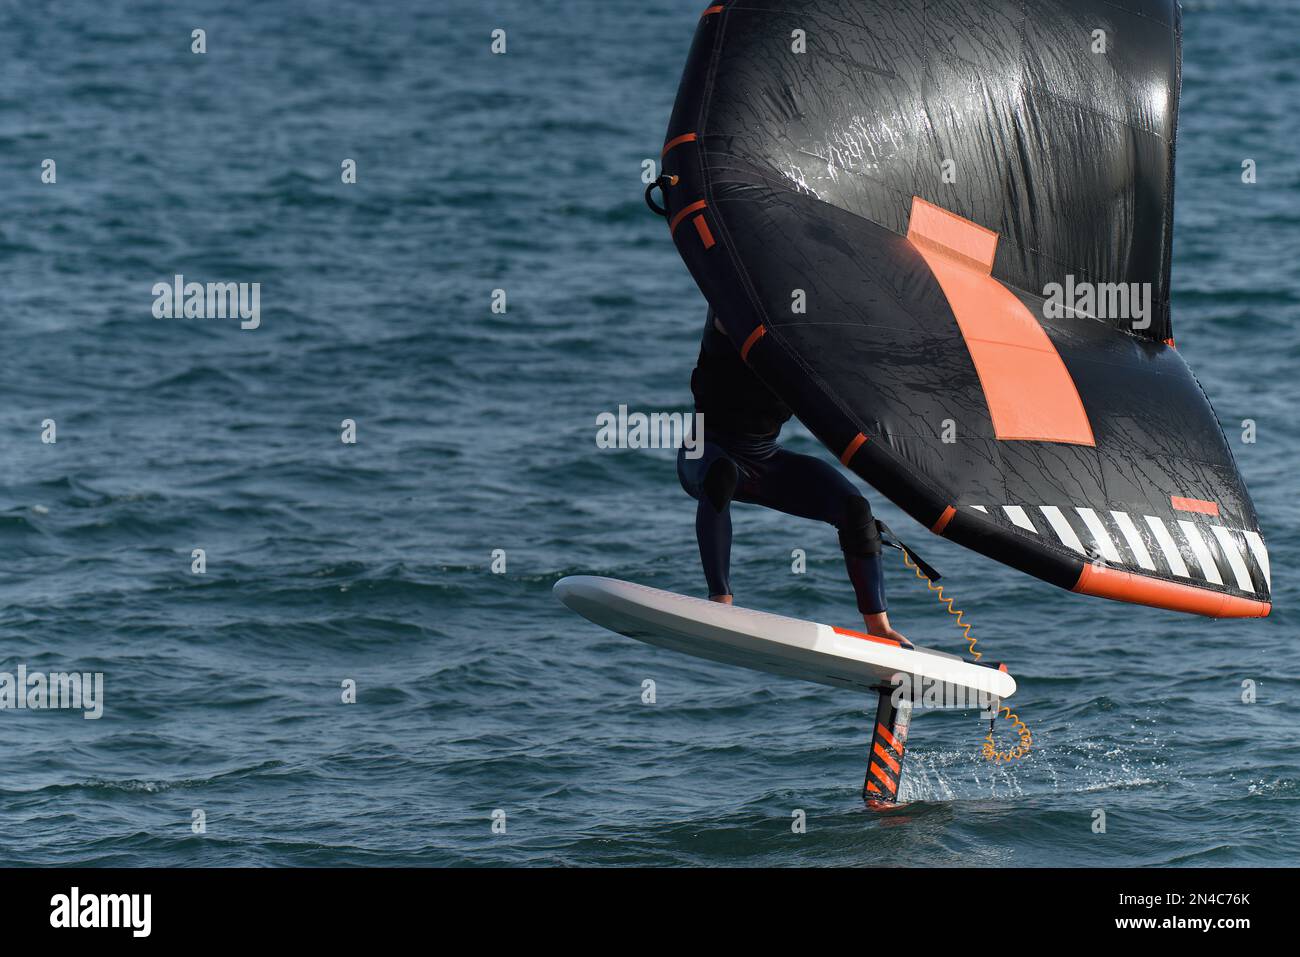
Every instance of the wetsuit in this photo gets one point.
(741, 461)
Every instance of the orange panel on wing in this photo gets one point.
(1029, 391)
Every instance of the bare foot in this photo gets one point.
(721, 599)
(898, 637)
(878, 625)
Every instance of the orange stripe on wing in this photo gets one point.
(943, 521)
(947, 233)
(859, 440)
(706, 236)
(1030, 394)
(695, 207)
(677, 141)
(1198, 505)
(754, 336)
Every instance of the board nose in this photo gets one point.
(573, 588)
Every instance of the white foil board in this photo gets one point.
(765, 642)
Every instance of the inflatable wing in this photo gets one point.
(940, 230)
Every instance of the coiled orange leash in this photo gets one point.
(944, 599)
(990, 749)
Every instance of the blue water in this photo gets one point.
(329, 562)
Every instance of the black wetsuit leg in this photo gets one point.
(760, 472)
(713, 531)
(810, 488)
(711, 480)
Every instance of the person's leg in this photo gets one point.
(713, 532)
(810, 488)
(712, 482)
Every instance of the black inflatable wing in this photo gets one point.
(940, 230)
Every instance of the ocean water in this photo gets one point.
(329, 563)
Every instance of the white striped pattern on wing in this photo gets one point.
(1177, 541)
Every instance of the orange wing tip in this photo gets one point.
(859, 440)
(716, 8)
(1103, 582)
(943, 521)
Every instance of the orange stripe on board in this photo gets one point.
(865, 637)
(889, 736)
(1199, 505)
(677, 141)
(695, 207)
(859, 440)
(884, 756)
(1120, 585)
(944, 519)
(706, 235)
(754, 336)
(1029, 391)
